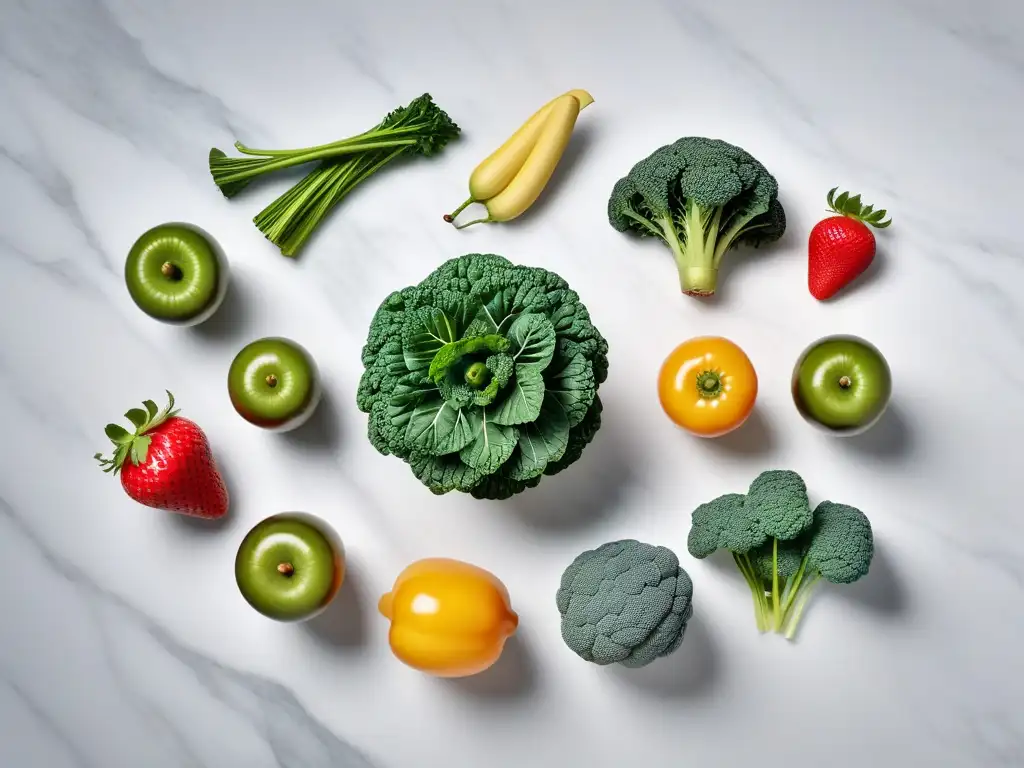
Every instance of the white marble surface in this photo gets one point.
(124, 641)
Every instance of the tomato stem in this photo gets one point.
(709, 384)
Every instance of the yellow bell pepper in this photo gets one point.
(448, 618)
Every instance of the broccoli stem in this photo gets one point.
(697, 277)
(727, 237)
(756, 590)
(793, 587)
(776, 607)
(793, 619)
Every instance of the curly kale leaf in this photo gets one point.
(483, 377)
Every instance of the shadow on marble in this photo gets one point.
(891, 438)
(690, 671)
(881, 591)
(754, 438)
(231, 318)
(513, 675)
(322, 433)
(344, 623)
(873, 274)
(585, 493)
(579, 144)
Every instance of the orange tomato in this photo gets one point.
(707, 386)
(448, 618)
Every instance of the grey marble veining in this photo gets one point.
(123, 640)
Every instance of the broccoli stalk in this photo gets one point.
(782, 549)
(701, 197)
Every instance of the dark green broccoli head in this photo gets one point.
(625, 602)
(777, 502)
(790, 554)
(702, 197)
(483, 377)
(723, 523)
(775, 505)
(839, 543)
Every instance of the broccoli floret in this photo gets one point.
(723, 523)
(777, 500)
(780, 546)
(483, 377)
(625, 602)
(702, 197)
(838, 547)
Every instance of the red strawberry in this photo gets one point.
(166, 463)
(841, 247)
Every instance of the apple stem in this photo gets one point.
(286, 569)
(170, 271)
(845, 382)
(271, 381)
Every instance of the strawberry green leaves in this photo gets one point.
(847, 205)
(134, 445)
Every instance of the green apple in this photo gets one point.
(842, 384)
(274, 384)
(176, 273)
(290, 566)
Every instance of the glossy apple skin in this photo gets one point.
(310, 547)
(191, 249)
(818, 384)
(296, 391)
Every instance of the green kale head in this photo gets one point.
(483, 377)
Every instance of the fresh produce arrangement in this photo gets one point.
(274, 383)
(166, 463)
(511, 178)
(483, 377)
(782, 547)
(842, 247)
(707, 386)
(625, 603)
(176, 273)
(421, 128)
(448, 618)
(290, 566)
(702, 197)
(842, 384)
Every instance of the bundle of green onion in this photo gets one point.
(421, 128)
